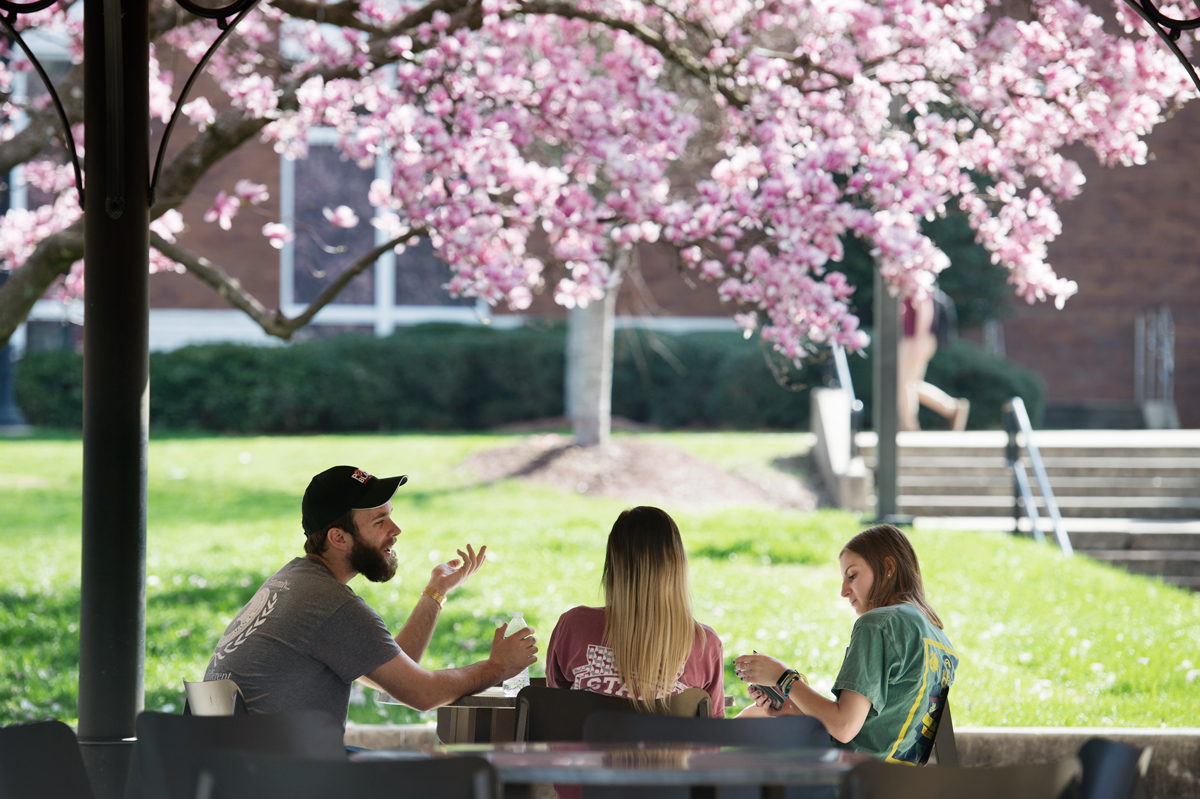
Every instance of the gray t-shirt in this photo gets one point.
(300, 642)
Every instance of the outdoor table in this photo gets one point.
(668, 764)
(475, 718)
(486, 717)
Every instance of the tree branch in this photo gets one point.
(273, 323)
(25, 286)
(342, 14)
(180, 175)
(44, 126)
(648, 36)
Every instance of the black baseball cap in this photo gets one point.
(336, 491)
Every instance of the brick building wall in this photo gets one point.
(1131, 240)
(242, 251)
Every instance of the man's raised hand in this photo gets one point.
(448, 576)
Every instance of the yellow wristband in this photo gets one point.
(433, 594)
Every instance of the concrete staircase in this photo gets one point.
(1127, 497)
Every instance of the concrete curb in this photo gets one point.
(1174, 771)
(1174, 767)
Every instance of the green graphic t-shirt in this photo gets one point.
(905, 666)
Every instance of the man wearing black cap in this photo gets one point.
(305, 636)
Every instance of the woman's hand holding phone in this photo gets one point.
(774, 699)
(761, 672)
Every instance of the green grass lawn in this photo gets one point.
(1044, 640)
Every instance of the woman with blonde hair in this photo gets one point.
(644, 643)
(892, 687)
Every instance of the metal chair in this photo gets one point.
(213, 698)
(1059, 779)
(786, 731)
(1112, 770)
(170, 747)
(945, 752)
(42, 761)
(558, 714)
(244, 775)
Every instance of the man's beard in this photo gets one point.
(371, 563)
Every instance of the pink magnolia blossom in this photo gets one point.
(532, 148)
(342, 216)
(223, 211)
(169, 225)
(200, 112)
(278, 234)
(251, 192)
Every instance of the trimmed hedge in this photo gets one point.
(49, 388)
(964, 369)
(706, 380)
(454, 377)
(433, 377)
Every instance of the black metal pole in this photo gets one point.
(886, 413)
(1012, 454)
(116, 386)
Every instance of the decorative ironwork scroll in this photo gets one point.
(238, 10)
(9, 12)
(1169, 30)
(235, 11)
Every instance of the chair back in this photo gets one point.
(245, 775)
(213, 698)
(42, 761)
(170, 748)
(789, 731)
(558, 714)
(944, 752)
(1111, 770)
(877, 780)
(785, 731)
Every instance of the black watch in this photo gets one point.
(784, 683)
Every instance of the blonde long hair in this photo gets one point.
(648, 621)
(897, 574)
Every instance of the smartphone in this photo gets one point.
(777, 699)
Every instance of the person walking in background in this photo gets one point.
(896, 676)
(305, 636)
(644, 643)
(916, 349)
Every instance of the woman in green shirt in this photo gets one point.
(898, 669)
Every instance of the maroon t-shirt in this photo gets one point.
(577, 658)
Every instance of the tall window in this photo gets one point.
(399, 289)
(323, 251)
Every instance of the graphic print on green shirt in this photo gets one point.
(905, 666)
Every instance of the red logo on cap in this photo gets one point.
(361, 476)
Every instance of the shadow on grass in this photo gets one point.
(39, 669)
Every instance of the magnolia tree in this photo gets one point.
(535, 143)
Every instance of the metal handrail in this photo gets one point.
(1016, 420)
(843, 377)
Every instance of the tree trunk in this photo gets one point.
(590, 363)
